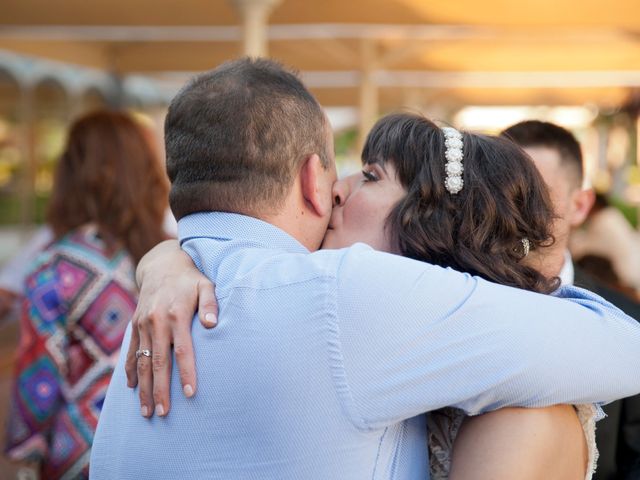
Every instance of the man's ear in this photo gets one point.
(581, 204)
(315, 186)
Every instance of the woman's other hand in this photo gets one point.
(171, 288)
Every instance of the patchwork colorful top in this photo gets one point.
(79, 299)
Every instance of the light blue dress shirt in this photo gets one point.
(323, 363)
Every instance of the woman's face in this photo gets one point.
(361, 204)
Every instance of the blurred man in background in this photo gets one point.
(558, 156)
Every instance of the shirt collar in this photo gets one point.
(233, 226)
(567, 274)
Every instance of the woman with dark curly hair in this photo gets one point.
(106, 211)
(478, 229)
(477, 204)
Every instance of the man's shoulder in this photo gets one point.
(628, 305)
(361, 255)
(267, 269)
(286, 267)
(360, 259)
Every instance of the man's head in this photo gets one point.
(239, 138)
(557, 154)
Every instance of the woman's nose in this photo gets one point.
(340, 192)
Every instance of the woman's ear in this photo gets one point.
(316, 182)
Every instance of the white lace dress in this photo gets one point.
(443, 426)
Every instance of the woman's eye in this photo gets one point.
(370, 176)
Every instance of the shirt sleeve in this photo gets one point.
(410, 337)
(41, 358)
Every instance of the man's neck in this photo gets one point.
(296, 223)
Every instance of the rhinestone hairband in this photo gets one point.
(453, 153)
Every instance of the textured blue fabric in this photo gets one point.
(322, 363)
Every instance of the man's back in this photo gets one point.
(267, 404)
(322, 363)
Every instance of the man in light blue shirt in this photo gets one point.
(323, 363)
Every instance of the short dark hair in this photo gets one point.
(235, 136)
(536, 133)
(478, 230)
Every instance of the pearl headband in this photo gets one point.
(453, 153)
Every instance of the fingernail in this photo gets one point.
(211, 319)
(159, 410)
(144, 411)
(188, 390)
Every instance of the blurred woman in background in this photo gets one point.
(106, 210)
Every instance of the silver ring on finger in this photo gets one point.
(143, 353)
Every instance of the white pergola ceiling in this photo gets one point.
(496, 52)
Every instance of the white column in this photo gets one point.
(368, 92)
(255, 16)
(636, 122)
(27, 187)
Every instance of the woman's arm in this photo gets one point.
(163, 320)
(527, 444)
(530, 344)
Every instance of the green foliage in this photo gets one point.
(11, 209)
(345, 142)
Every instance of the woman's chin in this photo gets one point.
(332, 241)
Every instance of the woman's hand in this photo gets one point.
(170, 290)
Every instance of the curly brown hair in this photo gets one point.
(478, 230)
(111, 175)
